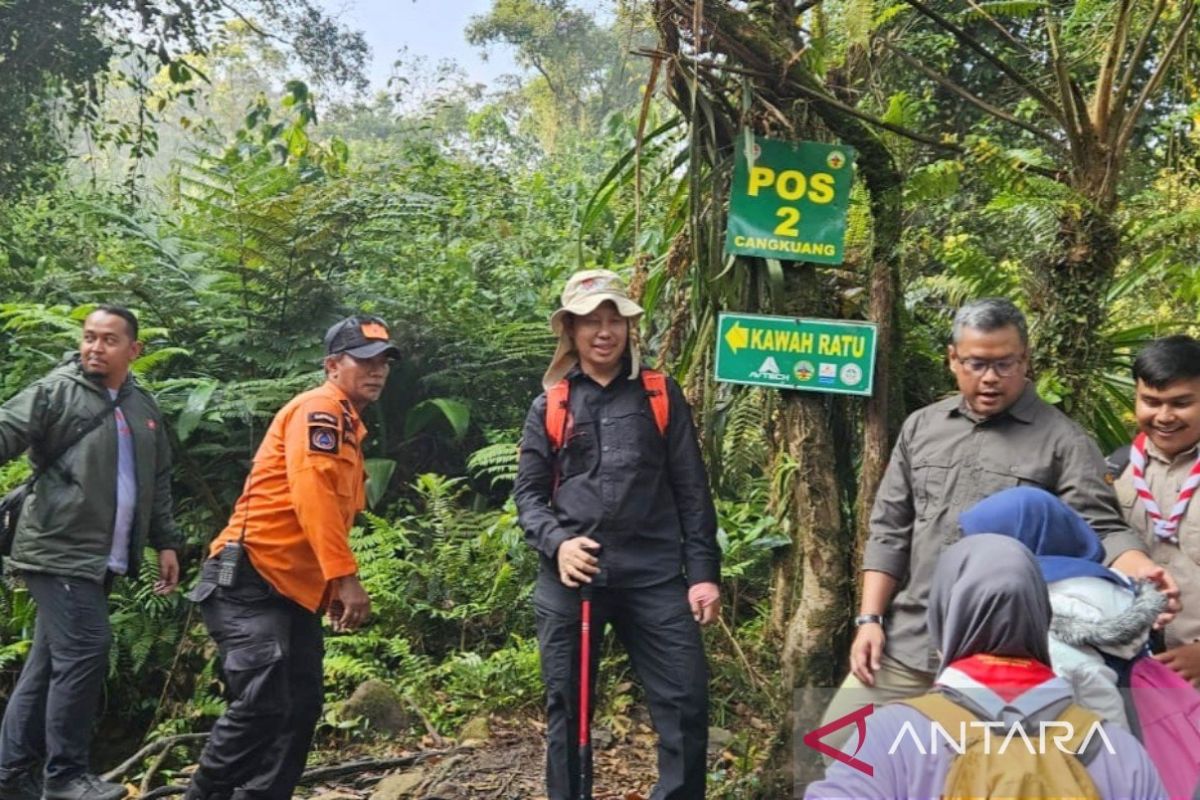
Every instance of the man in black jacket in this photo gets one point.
(103, 492)
(620, 504)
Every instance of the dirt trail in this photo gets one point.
(508, 766)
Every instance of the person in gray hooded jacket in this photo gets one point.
(1101, 620)
(103, 490)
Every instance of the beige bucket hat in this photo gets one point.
(583, 294)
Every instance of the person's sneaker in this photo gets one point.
(85, 787)
(25, 786)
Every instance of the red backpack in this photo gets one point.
(558, 414)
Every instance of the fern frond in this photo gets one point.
(495, 462)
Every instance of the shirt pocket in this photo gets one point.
(632, 440)
(931, 485)
(996, 475)
(1189, 533)
(578, 454)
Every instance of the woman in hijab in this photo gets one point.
(1101, 620)
(1099, 629)
(989, 612)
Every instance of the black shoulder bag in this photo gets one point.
(14, 501)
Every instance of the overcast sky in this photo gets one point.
(431, 28)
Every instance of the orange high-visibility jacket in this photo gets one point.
(304, 489)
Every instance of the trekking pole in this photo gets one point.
(585, 681)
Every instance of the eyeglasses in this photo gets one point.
(1004, 367)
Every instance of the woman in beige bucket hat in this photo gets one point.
(618, 502)
(585, 293)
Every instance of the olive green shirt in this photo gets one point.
(945, 460)
(1165, 476)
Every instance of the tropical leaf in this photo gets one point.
(157, 358)
(194, 408)
(1006, 8)
(932, 183)
(379, 473)
(427, 412)
(496, 462)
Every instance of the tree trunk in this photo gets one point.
(1067, 300)
(811, 583)
(885, 405)
(817, 603)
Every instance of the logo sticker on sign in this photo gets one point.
(769, 371)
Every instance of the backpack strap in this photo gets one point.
(942, 710)
(1082, 721)
(557, 413)
(951, 717)
(655, 384)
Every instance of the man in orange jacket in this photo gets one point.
(283, 557)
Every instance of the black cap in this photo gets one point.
(361, 337)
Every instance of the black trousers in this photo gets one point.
(52, 709)
(271, 653)
(666, 651)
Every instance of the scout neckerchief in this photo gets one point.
(1168, 528)
(1006, 676)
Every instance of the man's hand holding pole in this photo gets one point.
(577, 561)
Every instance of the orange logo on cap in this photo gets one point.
(373, 330)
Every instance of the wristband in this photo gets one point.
(864, 619)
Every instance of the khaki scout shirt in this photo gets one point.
(1165, 476)
(944, 462)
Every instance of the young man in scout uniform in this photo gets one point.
(1156, 485)
(283, 557)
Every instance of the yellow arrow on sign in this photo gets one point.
(737, 337)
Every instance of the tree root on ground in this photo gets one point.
(157, 746)
(316, 774)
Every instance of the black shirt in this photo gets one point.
(643, 496)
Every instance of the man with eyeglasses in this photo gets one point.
(994, 434)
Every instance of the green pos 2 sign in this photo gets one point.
(789, 199)
(820, 355)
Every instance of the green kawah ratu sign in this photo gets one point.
(789, 199)
(819, 355)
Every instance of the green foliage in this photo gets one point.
(1008, 8)
(455, 214)
(59, 58)
(495, 463)
(745, 448)
(449, 591)
(584, 69)
(468, 682)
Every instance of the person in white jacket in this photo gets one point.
(1101, 620)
